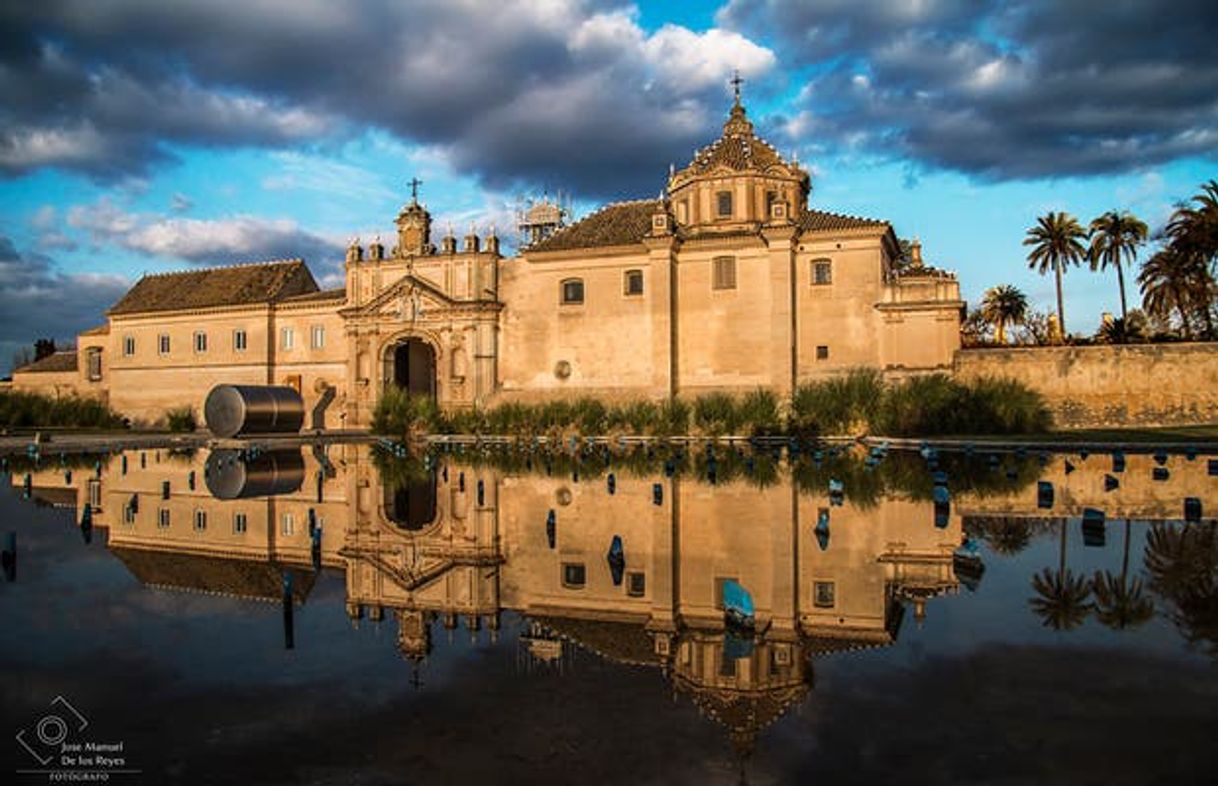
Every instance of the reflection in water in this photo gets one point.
(831, 547)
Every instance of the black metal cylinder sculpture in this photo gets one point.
(240, 410)
(235, 474)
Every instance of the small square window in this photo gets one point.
(574, 575)
(239, 524)
(162, 518)
(200, 520)
(317, 337)
(200, 341)
(128, 345)
(572, 291)
(162, 343)
(287, 338)
(723, 273)
(724, 199)
(822, 352)
(822, 272)
(823, 593)
(636, 584)
(719, 582)
(239, 340)
(634, 282)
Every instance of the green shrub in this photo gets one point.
(399, 412)
(840, 405)
(181, 419)
(19, 409)
(715, 414)
(937, 404)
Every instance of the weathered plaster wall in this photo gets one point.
(1138, 385)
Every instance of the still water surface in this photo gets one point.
(460, 620)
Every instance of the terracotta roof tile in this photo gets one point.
(322, 294)
(100, 330)
(263, 282)
(55, 362)
(619, 224)
(213, 575)
(822, 221)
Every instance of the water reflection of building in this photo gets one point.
(456, 546)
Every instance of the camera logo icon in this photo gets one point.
(52, 729)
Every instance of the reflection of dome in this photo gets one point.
(622, 642)
(745, 713)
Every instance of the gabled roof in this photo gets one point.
(64, 360)
(213, 575)
(618, 224)
(263, 282)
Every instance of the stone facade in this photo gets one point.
(1103, 386)
(727, 281)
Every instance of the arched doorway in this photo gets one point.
(413, 363)
(410, 503)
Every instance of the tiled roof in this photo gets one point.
(100, 330)
(621, 642)
(822, 221)
(263, 282)
(58, 361)
(322, 294)
(738, 148)
(619, 224)
(213, 575)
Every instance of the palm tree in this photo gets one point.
(1062, 597)
(1192, 235)
(1003, 305)
(1175, 281)
(1115, 238)
(1120, 604)
(1056, 241)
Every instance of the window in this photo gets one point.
(128, 514)
(317, 337)
(724, 200)
(94, 364)
(240, 342)
(723, 273)
(288, 524)
(719, 582)
(572, 291)
(636, 584)
(822, 271)
(95, 494)
(770, 198)
(822, 352)
(634, 282)
(162, 343)
(287, 338)
(200, 520)
(239, 524)
(200, 341)
(574, 575)
(823, 594)
(128, 345)
(162, 518)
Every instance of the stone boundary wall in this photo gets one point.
(1111, 385)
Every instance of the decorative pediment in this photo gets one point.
(409, 298)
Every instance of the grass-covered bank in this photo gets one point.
(19, 409)
(859, 402)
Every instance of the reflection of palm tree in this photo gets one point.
(1120, 604)
(1005, 534)
(1062, 601)
(1183, 567)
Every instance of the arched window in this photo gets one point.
(571, 291)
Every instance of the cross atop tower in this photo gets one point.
(736, 82)
(414, 184)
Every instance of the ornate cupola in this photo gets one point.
(414, 225)
(737, 182)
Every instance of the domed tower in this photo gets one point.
(738, 182)
(414, 226)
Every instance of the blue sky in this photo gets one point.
(132, 141)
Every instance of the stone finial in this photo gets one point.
(376, 250)
(915, 253)
(448, 243)
(472, 241)
(354, 252)
(492, 242)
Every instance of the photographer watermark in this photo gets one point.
(57, 747)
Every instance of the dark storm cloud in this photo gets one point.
(1035, 89)
(39, 301)
(571, 93)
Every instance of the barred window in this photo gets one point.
(822, 271)
(724, 273)
(240, 340)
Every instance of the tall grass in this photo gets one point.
(181, 419)
(857, 402)
(19, 409)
